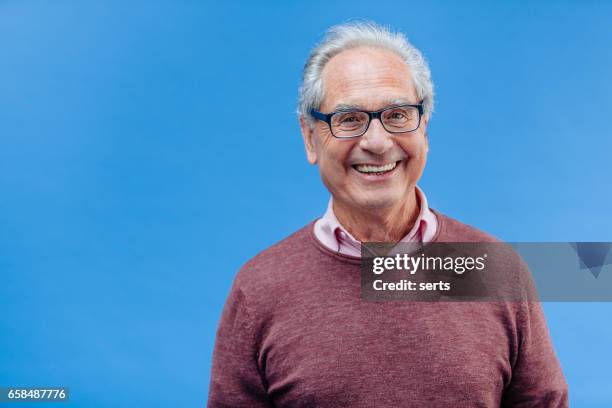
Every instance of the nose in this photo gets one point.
(376, 140)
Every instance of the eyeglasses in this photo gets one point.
(354, 123)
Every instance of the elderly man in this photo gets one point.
(295, 332)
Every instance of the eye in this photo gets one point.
(400, 115)
(350, 118)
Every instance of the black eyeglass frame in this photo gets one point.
(327, 118)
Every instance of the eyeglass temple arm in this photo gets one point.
(321, 116)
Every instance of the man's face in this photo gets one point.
(371, 79)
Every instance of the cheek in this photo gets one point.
(333, 152)
(332, 165)
(327, 140)
(415, 149)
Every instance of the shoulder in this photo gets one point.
(274, 264)
(452, 230)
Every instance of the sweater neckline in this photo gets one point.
(356, 259)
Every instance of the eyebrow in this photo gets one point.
(386, 103)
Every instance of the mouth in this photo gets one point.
(375, 170)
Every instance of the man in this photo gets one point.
(295, 332)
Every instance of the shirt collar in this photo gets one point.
(334, 236)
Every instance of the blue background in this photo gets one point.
(148, 149)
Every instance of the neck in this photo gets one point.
(379, 225)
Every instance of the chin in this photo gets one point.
(378, 202)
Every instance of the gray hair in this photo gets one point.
(350, 35)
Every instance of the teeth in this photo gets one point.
(367, 168)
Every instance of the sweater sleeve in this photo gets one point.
(537, 379)
(235, 378)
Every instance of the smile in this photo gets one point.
(375, 170)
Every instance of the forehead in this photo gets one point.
(367, 77)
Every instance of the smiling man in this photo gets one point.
(370, 167)
(295, 332)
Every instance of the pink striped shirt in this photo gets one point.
(328, 230)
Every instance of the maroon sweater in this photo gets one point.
(295, 333)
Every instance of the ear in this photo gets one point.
(309, 142)
(423, 126)
(424, 123)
